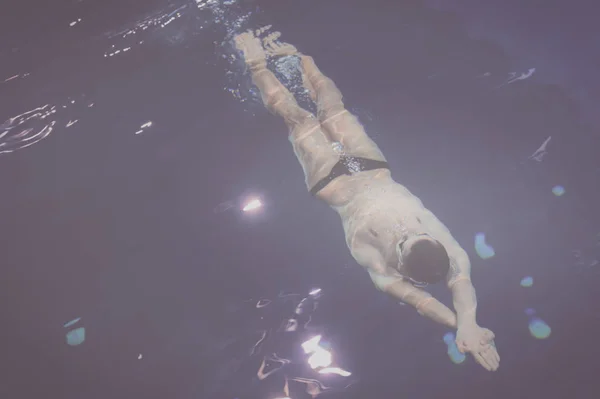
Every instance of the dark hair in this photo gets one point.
(427, 262)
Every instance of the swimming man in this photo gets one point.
(400, 243)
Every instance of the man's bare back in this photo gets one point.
(384, 223)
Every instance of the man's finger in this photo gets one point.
(481, 361)
(494, 352)
(491, 360)
(497, 357)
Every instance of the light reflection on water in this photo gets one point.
(164, 27)
(38, 121)
(274, 357)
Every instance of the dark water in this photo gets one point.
(131, 139)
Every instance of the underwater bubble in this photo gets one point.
(484, 250)
(539, 329)
(76, 337)
(558, 190)
(527, 281)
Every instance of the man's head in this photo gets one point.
(423, 259)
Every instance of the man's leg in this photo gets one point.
(312, 148)
(339, 124)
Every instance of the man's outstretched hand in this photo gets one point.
(479, 342)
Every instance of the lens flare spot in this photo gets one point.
(76, 337)
(558, 190)
(527, 281)
(539, 329)
(484, 250)
(453, 353)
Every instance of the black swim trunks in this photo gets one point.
(348, 165)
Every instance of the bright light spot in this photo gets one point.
(70, 323)
(76, 337)
(335, 370)
(139, 131)
(252, 205)
(453, 353)
(312, 344)
(558, 190)
(321, 358)
(11, 78)
(147, 124)
(527, 281)
(539, 329)
(314, 292)
(484, 250)
(71, 123)
(140, 356)
(262, 303)
(291, 325)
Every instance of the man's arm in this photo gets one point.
(371, 259)
(463, 291)
(470, 337)
(421, 300)
(459, 276)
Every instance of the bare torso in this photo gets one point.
(378, 212)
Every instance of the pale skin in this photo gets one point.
(370, 241)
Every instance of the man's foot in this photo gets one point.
(309, 67)
(276, 48)
(251, 47)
